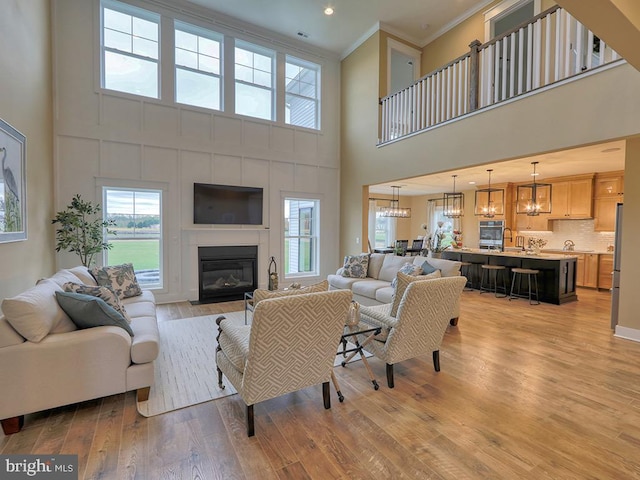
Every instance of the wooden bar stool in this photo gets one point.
(519, 273)
(487, 272)
(465, 271)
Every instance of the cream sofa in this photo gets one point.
(376, 288)
(70, 365)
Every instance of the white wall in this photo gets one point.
(106, 138)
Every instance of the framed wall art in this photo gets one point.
(13, 195)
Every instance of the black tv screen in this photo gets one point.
(226, 204)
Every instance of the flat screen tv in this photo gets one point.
(226, 204)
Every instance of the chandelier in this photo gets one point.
(394, 210)
(453, 202)
(489, 201)
(533, 198)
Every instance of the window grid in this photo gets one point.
(301, 237)
(254, 80)
(302, 93)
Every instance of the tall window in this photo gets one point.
(302, 86)
(130, 49)
(301, 221)
(382, 230)
(198, 66)
(255, 84)
(138, 238)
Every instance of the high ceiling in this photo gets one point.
(417, 21)
(603, 157)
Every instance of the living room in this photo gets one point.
(82, 138)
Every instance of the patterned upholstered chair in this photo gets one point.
(291, 344)
(418, 326)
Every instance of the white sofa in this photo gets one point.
(376, 288)
(70, 365)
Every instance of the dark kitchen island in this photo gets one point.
(556, 280)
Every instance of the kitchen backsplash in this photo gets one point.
(580, 231)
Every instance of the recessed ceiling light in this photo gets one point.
(328, 11)
(472, 183)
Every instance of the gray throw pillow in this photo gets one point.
(120, 278)
(355, 266)
(427, 268)
(408, 269)
(87, 311)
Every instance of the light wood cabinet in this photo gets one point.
(605, 269)
(536, 223)
(591, 261)
(580, 270)
(572, 199)
(609, 190)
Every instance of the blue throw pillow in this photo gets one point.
(87, 311)
(427, 268)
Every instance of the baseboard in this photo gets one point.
(627, 333)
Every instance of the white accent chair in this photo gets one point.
(291, 344)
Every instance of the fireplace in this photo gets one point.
(225, 273)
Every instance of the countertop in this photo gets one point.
(550, 255)
(597, 252)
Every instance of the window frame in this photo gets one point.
(317, 69)
(210, 35)
(161, 285)
(142, 14)
(260, 50)
(313, 236)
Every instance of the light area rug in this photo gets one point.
(185, 370)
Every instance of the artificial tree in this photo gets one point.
(81, 230)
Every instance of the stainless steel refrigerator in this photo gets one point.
(615, 288)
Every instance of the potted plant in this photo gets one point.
(81, 230)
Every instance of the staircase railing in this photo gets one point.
(550, 47)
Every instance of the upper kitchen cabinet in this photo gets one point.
(609, 190)
(572, 197)
(533, 223)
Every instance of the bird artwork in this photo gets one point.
(12, 211)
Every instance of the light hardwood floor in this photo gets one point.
(525, 392)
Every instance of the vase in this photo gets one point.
(536, 250)
(435, 254)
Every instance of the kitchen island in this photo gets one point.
(556, 280)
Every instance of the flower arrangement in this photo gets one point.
(536, 243)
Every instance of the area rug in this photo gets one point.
(185, 370)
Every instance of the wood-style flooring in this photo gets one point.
(525, 392)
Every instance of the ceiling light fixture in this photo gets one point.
(489, 201)
(453, 202)
(394, 210)
(533, 198)
(328, 11)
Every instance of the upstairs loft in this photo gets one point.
(544, 52)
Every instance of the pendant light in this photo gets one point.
(453, 202)
(533, 198)
(489, 201)
(394, 210)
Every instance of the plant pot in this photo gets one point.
(435, 254)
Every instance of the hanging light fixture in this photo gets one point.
(533, 198)
(394, 210)
(489, 201)
(453, 202)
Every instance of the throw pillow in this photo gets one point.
(87, 311)
(121, 278)
(407, 269)
(105, 293)
(427, 268)
(401, 286)
(355, 266)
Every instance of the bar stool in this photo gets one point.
(496, 269)
(519, 273)
(465, 271)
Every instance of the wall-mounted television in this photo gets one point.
(226, 204)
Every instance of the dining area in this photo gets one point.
(402, 248)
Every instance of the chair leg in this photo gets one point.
(390, 375)
(250, 428)
(436, 360)
(220, 384)
(12, 425)
(143, 394)
(326, 395)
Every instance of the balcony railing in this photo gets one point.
(550, 47)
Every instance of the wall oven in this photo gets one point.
(491, 233)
